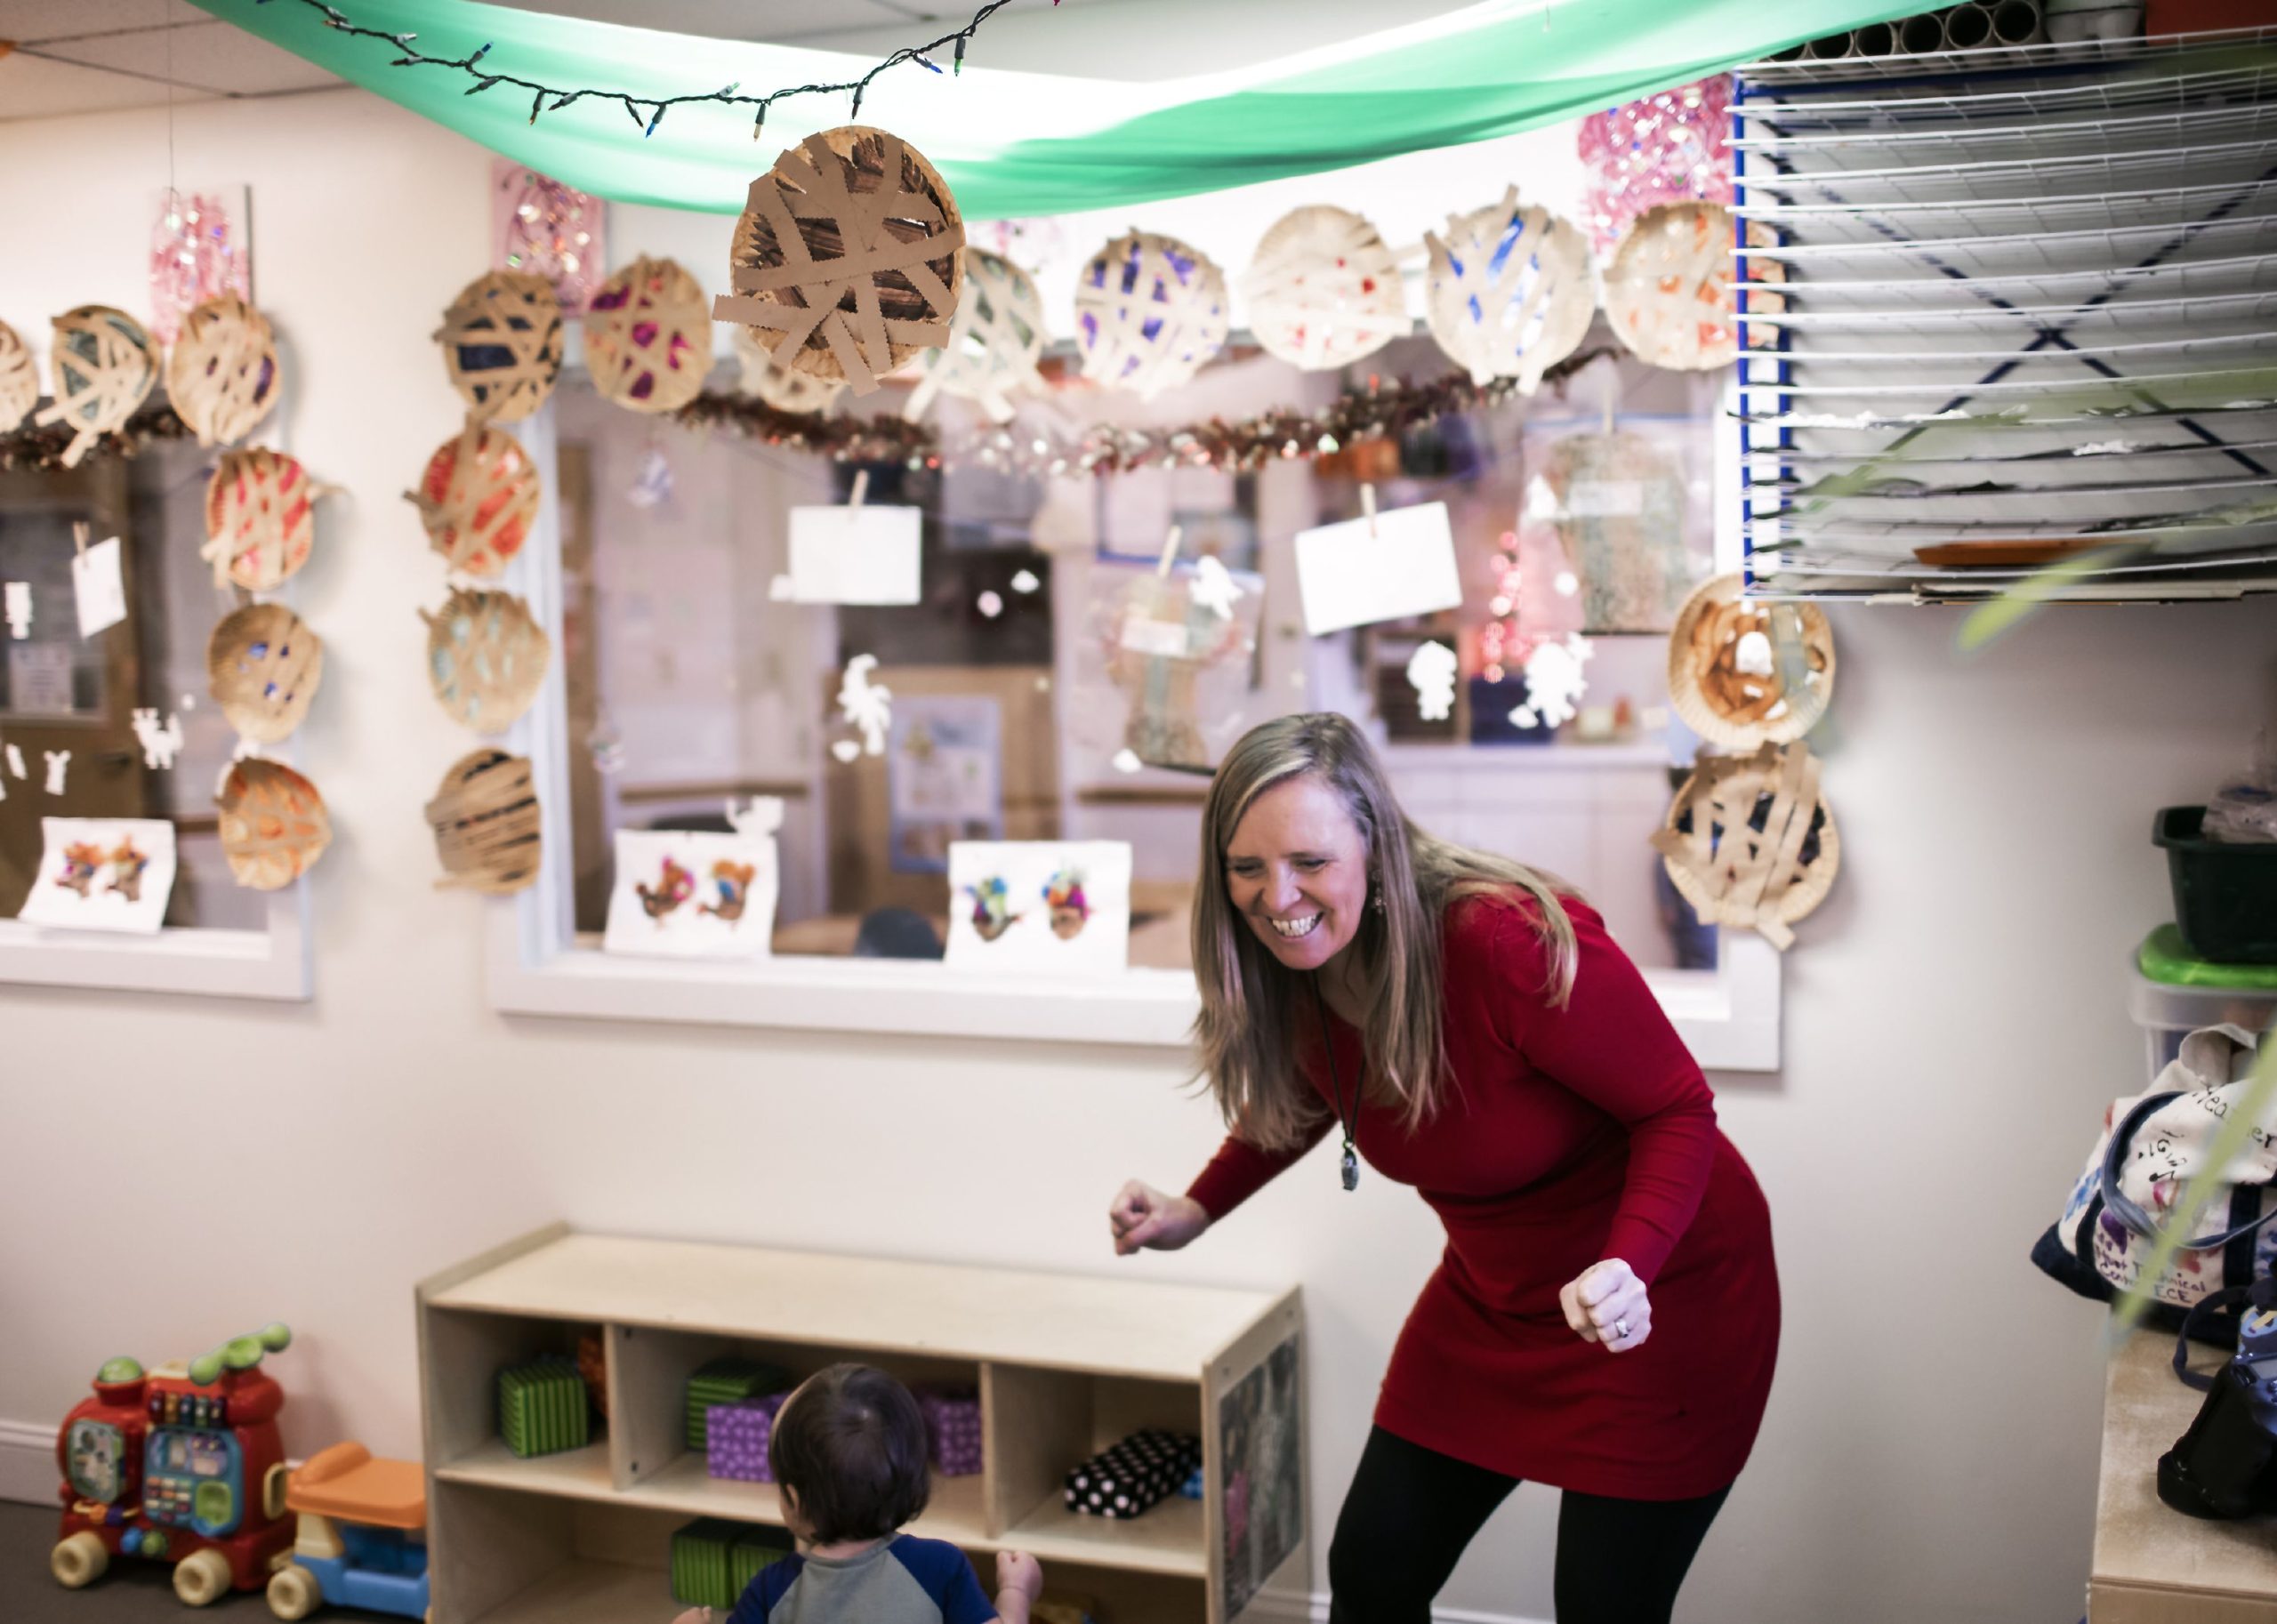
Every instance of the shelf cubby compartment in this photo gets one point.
(1064, 1365)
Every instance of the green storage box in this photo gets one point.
(700, 1563)
(755, 1550)
(723, 1381)
(543, 1407)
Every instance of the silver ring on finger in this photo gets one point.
(1620, 1330)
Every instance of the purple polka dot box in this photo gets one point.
(953, 1429)
(736, 1437)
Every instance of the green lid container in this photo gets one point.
(2225, 891)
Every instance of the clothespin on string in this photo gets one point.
(1368, 509)
(861, 490)
(1170, 551)
(79, 537)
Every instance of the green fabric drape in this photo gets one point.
(1014, 144)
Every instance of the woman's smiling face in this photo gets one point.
(1297, 872)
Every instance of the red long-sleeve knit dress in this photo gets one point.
(1571, 1135)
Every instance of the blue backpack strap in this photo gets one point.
(2121, 1204)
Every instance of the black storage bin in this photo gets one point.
(2225, 891)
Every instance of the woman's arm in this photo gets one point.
(1240, 1169)
(1612, 1045)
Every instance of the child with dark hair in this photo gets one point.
(848, 1453)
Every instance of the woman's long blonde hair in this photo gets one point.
(1248, 998)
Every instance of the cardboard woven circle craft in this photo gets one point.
(845, 261)
(1666, 291)
(478, 499)
(502, 343)
(274, 824)
(1324, 291)
(1743, 674)
(103, 367)
(994, 342)
(1150, 312)
(1508, 293)
(221, 376)
(1750, 842)
(486, 658)
(18, 379)
(797, 392)
(648, 337)
(263, 666)
(485, 815)
(259, 518)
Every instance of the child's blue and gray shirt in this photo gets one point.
(905, 1581)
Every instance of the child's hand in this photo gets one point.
(695, 1615)
(1018, 1571)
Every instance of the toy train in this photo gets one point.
(184, 1464)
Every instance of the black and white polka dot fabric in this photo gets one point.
(1146, 1467)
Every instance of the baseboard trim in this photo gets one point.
(27, 1463)
(1314, 1610)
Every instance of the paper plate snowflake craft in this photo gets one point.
(1749, 842)
(647, 337)
(263, 666)
(502, 343)
(1323, 289)
(103, 367)
(221, 376)
(845, 261)
(485, 815)
(477, 500)
(18, 379)
(1666, 291)
(1743, 674)
(485, 657)
(1508, 292)
(259, 518)
(273, 824)
(1150, 312)
(797, 392)
(995, 339)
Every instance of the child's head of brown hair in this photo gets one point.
(850, 1447)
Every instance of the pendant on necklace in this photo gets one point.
(1351, 1167)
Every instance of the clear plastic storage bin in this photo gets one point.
(2168, 1013)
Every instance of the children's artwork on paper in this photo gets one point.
(681, 894)
(944, 778)
(102, 873)
(1039, 907)
(1260, 1431)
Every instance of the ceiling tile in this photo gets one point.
(29, 22)
(207, 55)
(31, 87)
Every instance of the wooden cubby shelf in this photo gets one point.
(1066, 1365)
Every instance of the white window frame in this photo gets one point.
(275, 961)
(1727, 1016)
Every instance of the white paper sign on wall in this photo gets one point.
(1039, 907)
(99, 585)
(102, 873)
(857, 555)
(1399, 563)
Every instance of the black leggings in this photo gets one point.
(1411, 1511)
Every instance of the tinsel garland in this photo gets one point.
(1385, 408)
(40, 449)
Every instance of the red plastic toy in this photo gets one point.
(183, 1465)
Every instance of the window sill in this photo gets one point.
(1728, 1017)
(270, 964)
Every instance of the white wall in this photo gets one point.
(1955, 1018)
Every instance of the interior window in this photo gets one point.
(1019, 713)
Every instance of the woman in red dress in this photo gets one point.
(1606, 1317)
